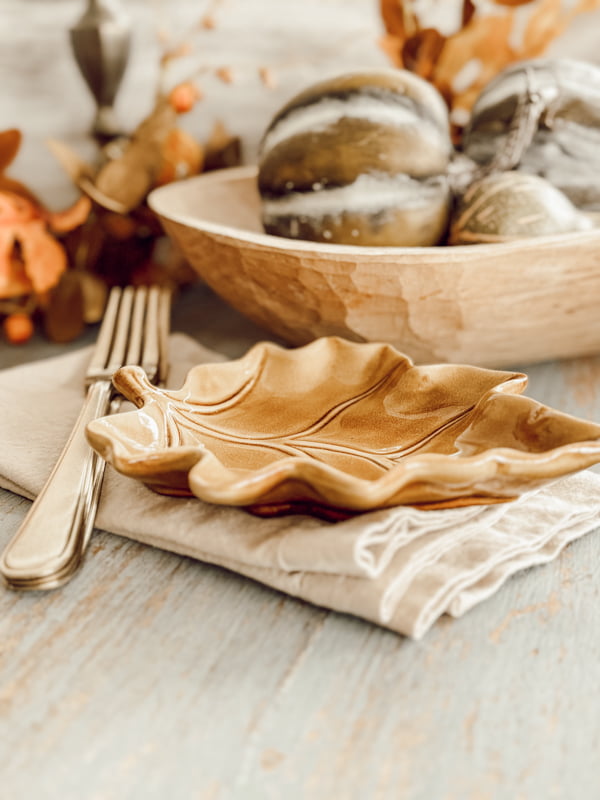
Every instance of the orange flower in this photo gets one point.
(10, 142)
(31, 259)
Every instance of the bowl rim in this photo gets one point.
(158, 200)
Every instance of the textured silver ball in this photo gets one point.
(359, 159)
(508, 206)
(565, 146)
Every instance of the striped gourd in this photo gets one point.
(359, 159)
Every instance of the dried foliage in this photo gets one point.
(462, 63)
(32, 259)
(109, 236)
(121, 240)
(56, 268)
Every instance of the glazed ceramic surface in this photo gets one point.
(335, 428)
(491, 304)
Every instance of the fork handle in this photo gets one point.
(52, 536)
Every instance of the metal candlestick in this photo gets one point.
(101, 43)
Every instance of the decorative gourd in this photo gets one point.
(513, 205)
(359, 159)
(553, 107)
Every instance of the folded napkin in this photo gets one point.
(401, 567)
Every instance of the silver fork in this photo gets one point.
(49, 546)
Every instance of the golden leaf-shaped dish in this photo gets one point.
(335, 428)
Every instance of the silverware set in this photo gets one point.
(49, 546)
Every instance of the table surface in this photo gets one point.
(151, 675)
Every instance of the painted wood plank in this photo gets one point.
(160, 672)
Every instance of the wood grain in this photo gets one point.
(154, 676)
(487, 304)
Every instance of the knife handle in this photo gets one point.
(48, 546)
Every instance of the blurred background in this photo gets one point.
(251, 56)
(192, 66)
(247, 56)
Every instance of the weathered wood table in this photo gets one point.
(153, 676)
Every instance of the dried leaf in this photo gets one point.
(75, 167)
(178, 268)
(103, 200)
(16, 187)
(151, 272)
(95, 293)
(13, 279)
(84, 244)
(30, 258)
(584, 5)
(486, 38)
(219, 137)
(123, 183)
(70, 218)
(119, 226)
(545, 24)
(113, 245)
(392, 47)
(63, 315)
(422, 51)
(43, 257)
(222, 149)
(10, 142)
(128, 180)
(157, 124)
(393, 13)
(468, 10)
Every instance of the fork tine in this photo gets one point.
(116, 357)
(154, 355)
(105, 336)
(150, 351)
(164, 317)
(137, 327)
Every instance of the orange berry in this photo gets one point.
(18, 328)
(184, 96)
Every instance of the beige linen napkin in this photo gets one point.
(401, 568)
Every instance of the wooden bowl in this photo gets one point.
(491, 305)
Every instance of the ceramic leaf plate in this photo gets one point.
(335, 428)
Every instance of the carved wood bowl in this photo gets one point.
(336, 428)
(491, 304)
